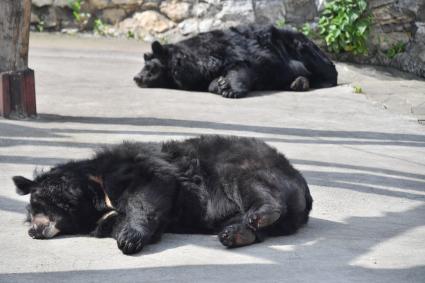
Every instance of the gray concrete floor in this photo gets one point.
(365, 165)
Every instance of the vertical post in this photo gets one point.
(17, 88)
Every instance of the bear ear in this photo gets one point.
(23, 185)
(158, 49)
(147, 56)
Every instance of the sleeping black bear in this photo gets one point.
(240, 188)
(236, 61)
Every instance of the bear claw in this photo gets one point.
(224, 88)
(130, 241)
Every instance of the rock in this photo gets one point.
(240, 11)
(189, 26)
(153, 21)
(412, 61)
(50, 19)
(320, 4)
(213, 2)
(144, 23)
(389, 14)
(175, 10)
(205, 10)
(70, 31)
(420, 33)
(35, 19)
(378, 3)
(269, 11)
(206, 25)
(411, 5)
(300, 11)
(385, 41)
(112, 15)
(151, 4)
(41, 3)
(98, 4)
(170, 36)
(61, 3)
(124, 4)
(200, 9)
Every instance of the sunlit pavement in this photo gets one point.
(365, 165)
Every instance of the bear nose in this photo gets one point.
(137, 78)
(36, 231)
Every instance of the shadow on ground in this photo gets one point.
(322, 245)
(306, 136)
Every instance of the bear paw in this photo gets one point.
(300, 84)
(236, 235)
(224, 88)
(130, 241)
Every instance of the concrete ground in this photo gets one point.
(364, 161)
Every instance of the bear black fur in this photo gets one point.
(235, 61)
(240, 188)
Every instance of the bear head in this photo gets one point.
(155, 72)
(60, 203)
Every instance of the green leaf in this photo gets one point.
(362, 5)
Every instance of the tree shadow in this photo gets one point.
(12, 205)
(322, 251)
(327, 249)
(150, 121)
(314, 136)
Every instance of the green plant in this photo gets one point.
(357, 89)
(307, 30)
(130, 34)
(397, 48)
(99, 27)
(75, 6)
(40, 26)
(344, 25)
(280, 23)
(79, 16)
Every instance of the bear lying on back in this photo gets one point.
(236, 61)
(240, 188)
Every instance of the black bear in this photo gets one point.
(235, 61)
(240, 188)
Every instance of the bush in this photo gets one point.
(396, 49)
(99, 27)
(344, 25)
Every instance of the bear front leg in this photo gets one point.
(236, 84)
(135, 230)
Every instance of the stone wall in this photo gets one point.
(171, 19)
(394, 21)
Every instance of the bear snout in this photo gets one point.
(42, 228)
(35, 231)
(138, 79)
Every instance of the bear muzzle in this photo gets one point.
(138, 79)
(42, 228)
